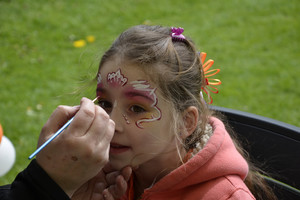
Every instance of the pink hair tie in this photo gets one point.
(177, 34)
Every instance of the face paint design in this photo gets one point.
(137, 88)
(126, 119)
(149, 93)
(115, 104)
(99, 79)
(116, 79)
(99, 85)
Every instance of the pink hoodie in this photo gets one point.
(216, 172)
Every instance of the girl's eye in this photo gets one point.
(137, 109)
(106, 105)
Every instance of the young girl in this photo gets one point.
(156, 121)
(149, 82)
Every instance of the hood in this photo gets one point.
(218, 158)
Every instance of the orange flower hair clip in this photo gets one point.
(210, 83)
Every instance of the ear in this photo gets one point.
(190, 117)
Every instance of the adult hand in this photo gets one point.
(81, 151)
(108, 184)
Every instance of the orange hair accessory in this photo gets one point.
(209, 83)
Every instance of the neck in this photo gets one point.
(147, 174)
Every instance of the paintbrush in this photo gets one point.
(53, 136)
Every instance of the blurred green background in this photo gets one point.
(255, 43)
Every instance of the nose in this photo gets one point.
(116, 116)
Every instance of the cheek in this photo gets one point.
(135, 125)
(149, 118)
(140, 122)
(137, 121)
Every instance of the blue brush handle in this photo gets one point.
(53, 136)
(50, 139)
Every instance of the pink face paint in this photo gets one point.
(116, 79)
(142, 96)
(139, 91)
(142, 89)
(99, 91)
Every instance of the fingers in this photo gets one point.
(107, 195)
(121, 183)
(102, 123)
(108, 168)
(126, 173)
(59, 117)
(117, 182)
(118, 189)
(98, 189)
(111, 177)
(83, 118)
(99, 135)
(82, 147)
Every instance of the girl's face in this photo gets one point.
(143, 133)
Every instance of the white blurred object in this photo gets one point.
(7, 155)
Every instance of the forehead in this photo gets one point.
(126, 76)
(124, 71)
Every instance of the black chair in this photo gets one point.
(272, 143)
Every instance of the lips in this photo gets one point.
(116, 148)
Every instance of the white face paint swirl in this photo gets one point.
(144, 86)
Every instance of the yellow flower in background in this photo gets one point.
(147, 22)
(79, 43)
(90, 38)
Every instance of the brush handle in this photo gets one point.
(54, 136)
(50, 139)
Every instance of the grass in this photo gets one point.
(255, 43)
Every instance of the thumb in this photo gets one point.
(57, 119)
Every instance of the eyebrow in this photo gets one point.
(139, 94)
(129, 93)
